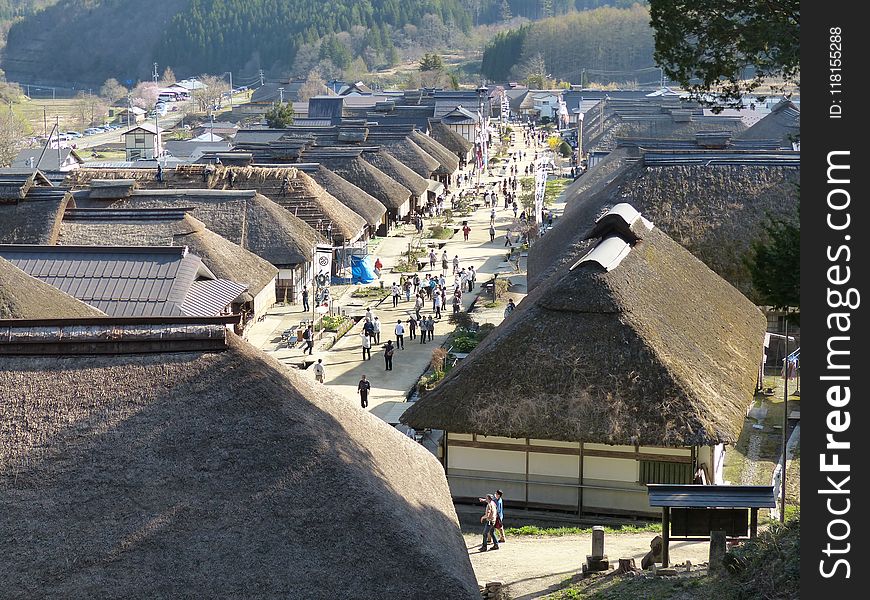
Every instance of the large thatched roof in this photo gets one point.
(450, 139)
(214, 473)
(447, 158)
(26, 297)
(357, 199)
(244, 217)
(350, 165)
(413, 156)
(715, 210)
(34, 219)
(658, 350)
(387, 163)
(166, 227)
(783, 124)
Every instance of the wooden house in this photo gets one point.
(634, 365)
(143, 142)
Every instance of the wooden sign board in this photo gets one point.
(699, 522)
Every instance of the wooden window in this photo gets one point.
(655, 471)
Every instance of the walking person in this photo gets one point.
(488, 520)
(396, 291)
(509, 308)
(362, 388)
(378, 266)
(318, 370)
(400, 335)
(499, 519)
(388, 355)
(305, 295)
(465, 231)
(412, 327)
(455, 264)
(430, 327)
(376, 324)
(445, 264)
(418, 305)
(491, 233)
(437, 304)
(366, 346)
(408, 286)
(308, 336)
(432, 259)
(424, 329)
(472, 278)
(492, 217)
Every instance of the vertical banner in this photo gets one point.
(834, 253)
(540, 188)
(322, 277)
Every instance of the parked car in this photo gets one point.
(92, 131)
(74, 134)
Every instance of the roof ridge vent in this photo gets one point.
(622, 219)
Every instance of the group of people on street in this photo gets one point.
(493, 521)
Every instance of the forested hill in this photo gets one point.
(85, 42)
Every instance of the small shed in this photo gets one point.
(691, 512)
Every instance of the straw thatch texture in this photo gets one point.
(713, 211)
(659, 351)
(366, 176)
(358, 200)
(244, 217)
(25, 297)
(414, 157)
(304, 198)
(783, 123)
(447, 158)
(450, 139)
(388, 164)
(217, 474)
(33, 220)
(661, 128)
(140, 227)
(599, 177)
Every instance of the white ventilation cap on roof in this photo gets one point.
(627, 213)
(608, 253)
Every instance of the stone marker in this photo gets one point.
(717, 551)
(597, 561)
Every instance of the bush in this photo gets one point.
(440, 232)
(462, 320)
(483, 331)
(565, 149)
(332, 323)
(767, 566)
(465, 343)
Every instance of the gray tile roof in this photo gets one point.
(128, 281)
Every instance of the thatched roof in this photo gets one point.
(34, 219)
(160, 227)
(218, 473)
(397, 171)
(304, 198)
(362, 174)
(658, 350)
(713, 210)
(244, 217)
(450, 139)
(413, 156)
(16, 182)
(25, 297)
(357, 199)
(447, 158)
(782, 124)
(599, 176)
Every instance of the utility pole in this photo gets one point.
(44, 122)
(784, 421)
(57, 128)
(262, 78)
(154, 75)
(281, 91)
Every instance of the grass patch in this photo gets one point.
(369, 293)
(560, 531)
(439, 232)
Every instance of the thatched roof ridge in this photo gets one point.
(355, 198)
(448, 159)
(157, 227)
(393, 168)
(224, 460)
(16, 182)
(26, 297)
(657, 351)
(244, 217)
(34, 219)
(366, 176)
(714, 211)
(450, 139)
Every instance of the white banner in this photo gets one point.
(323, 265)
(540, 187)
(505, 107)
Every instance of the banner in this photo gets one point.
(323, 265)
(505, 107)
(540, 187)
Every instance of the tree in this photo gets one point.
(113, 91)
(280, 115)
(90, 109)
(774, 263)
(210, 95)
(313, 86)
(535, 72)
(431, 62)
(168, 77)
(145, 94)
(13, 129)
(708, 45)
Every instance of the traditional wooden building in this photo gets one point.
(143, 142)
(167, 455)
(634, 365)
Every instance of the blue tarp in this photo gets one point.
(362, 269)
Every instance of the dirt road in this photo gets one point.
(535, 566)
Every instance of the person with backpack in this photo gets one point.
(509, 308)
(369, 328)
(400, 335)
(308, 337)
(388, 355)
